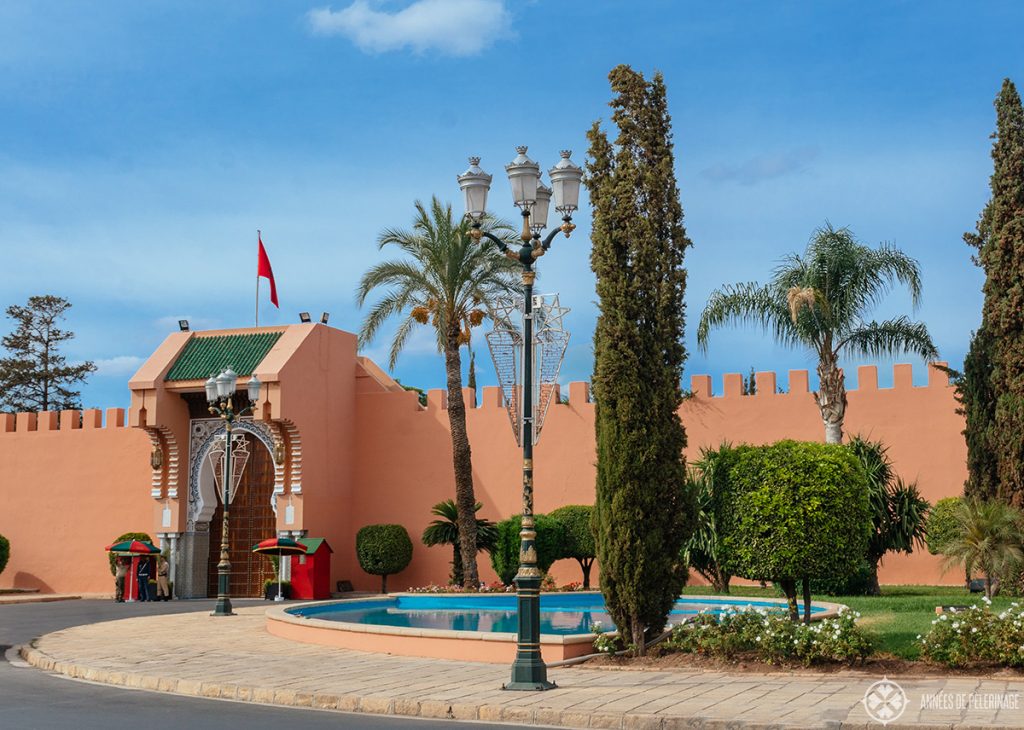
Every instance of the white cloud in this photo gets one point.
(763, 167)
(120, 365)
(448, 27)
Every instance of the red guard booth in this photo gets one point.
(311, 573)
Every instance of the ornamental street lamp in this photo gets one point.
(533, 199)
(219, 393)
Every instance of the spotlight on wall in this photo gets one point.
(324, 317)
(183, 325)
(304, 317)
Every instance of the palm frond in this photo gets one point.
(891, 337)
(748, 304)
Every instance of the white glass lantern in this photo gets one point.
(565, 179)
(254, 388)
(475, 183)
(226, 383)
(211, 390)
(524, 175)
(539, 214)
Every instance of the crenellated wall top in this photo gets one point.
(88, 420)
(701, 386)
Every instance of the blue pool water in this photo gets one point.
(561, 613)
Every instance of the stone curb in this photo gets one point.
(408, 707)
(8, 600)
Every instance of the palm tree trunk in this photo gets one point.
(457, 574)
(831, 397)
(465, 499)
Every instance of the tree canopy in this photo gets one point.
(35, 375)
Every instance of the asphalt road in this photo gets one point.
(34, 700)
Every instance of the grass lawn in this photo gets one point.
(893, 619)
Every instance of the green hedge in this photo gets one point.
(941, 527)
(793, 511)
(5, 552)
(383, 550)
(550, 542)
(140, 536)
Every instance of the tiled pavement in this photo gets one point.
(195, 654)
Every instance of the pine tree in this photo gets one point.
(995, 410)
(643, 513)
(35, 376)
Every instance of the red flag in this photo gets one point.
(263, 269)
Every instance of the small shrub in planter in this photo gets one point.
(383, 550)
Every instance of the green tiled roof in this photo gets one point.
(206, 356)
(313, 544)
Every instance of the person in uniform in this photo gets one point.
(120, 571)
(143, 575)
(163, 568)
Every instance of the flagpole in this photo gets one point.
(258, 235)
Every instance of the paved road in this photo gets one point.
(37, 700)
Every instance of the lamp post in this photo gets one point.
(533, 200)
(219, 393)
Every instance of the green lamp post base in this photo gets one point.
(529, 673)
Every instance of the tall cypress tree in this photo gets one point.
(643, 513)
(995, 409)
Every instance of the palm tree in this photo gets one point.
(451, 283)
(445, 531)
(702, 550)
(899, 513)
(987, 538)
(818, 300)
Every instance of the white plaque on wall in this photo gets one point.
(289, 515)
(167, 517)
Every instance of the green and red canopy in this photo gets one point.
(133, 547)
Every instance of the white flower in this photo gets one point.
(974, 630)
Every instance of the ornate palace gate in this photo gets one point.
(252, 519)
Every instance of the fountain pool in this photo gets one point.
(473, 626)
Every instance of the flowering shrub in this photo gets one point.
(772, 636)
(977, 634)
(605, 642)
(494, 587)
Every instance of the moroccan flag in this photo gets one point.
(263, 269)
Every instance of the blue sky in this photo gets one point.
(143, 143)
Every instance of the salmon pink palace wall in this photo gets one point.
(351, 447)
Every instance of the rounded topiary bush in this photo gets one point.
(550, 541)
(140, 536)
(5, 552)
(578, 537)
(795, 511)
(383, 550)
